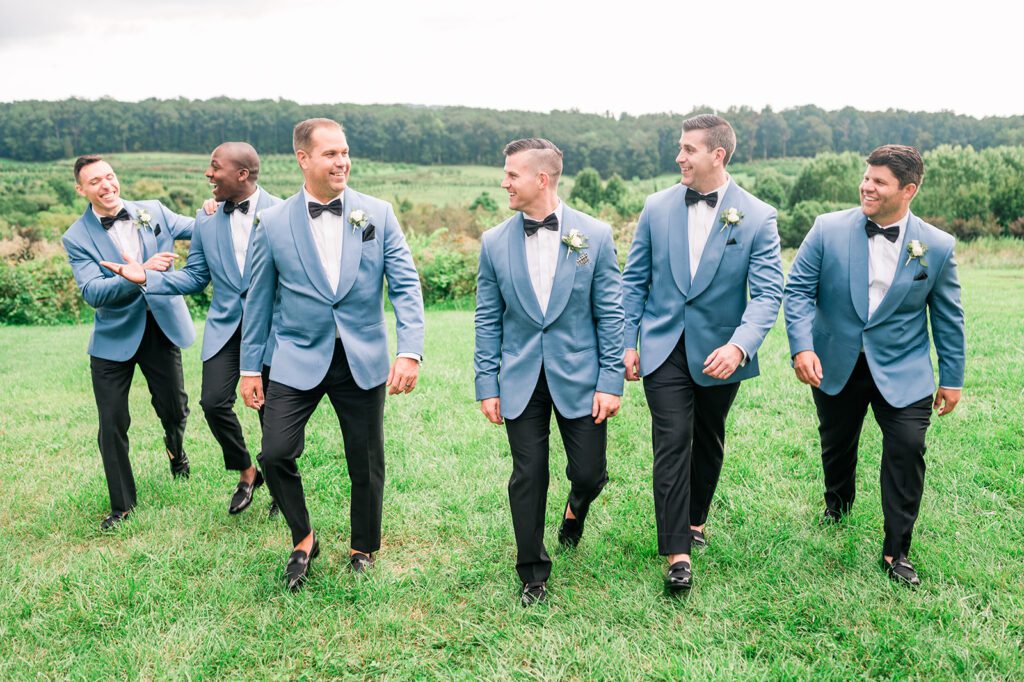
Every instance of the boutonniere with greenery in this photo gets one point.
(142, 219)
(916, 249)
(730, 216)
(256, 220)
(576, 242)
(358, 219)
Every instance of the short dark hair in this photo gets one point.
(302, 135)
(718, 133)
(905, 162)
(551, 158)
(83, 161)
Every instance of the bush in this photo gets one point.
(40, 292)
(446, 263)
(795, 223)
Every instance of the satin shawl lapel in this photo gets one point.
(302, 234)
(565, 269)
(859, 267)
(226, 245)
(352, 242)
(105, 245)
(262, 201)
(678, 242)
(714, 248)
(520, 271)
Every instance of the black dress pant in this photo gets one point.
(160, 362)
(585, 447)
(840, 419)
(220, 390)
(688, 434)
(361, 416)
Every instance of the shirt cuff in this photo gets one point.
(412, 356)
(952, 388)
(250, 373)
(746, 355)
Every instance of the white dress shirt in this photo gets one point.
(241, 228)
(125, 236)
(700, 222)
(328, 232)
(542, 259)
(883, 257)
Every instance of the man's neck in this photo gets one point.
(542, 209)
(323, 200)
(104, 212)
(710, 184)
(243, 194)
(891, 218)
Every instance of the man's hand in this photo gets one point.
(632, 361)
(723, 361)
(403, 375)
(133, 271)
(491, 407)
(808, 368)
(210, 206)
(606, 406)
(252, 392)
(946, 399)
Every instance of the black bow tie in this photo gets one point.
(693, 196)
(230, 207)
(108, 221)
(531, 226)
(891, 233)
(316, 209)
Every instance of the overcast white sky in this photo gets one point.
(625, 56)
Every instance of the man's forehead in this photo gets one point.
(96, 170)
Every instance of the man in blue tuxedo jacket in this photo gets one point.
(860, 293)
(323, 255)
(548, 336)
(699, 248)
(221, 252)
(131, 327)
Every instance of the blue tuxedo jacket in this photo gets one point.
(286, 267)
(661, 301)
(121, 305)
(827, 309)
(578, 340)
(211, 257)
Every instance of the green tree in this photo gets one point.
(587, 188)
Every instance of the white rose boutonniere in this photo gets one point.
(358, 219)
(916, 249)
(142, 219)
(576, 242)
(730, 216)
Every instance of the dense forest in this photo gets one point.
(631, 146)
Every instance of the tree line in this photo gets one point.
(632, 146)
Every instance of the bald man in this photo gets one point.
(220, 252)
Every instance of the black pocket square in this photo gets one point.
(920, 276)
(156, 231)
(369, 233)
(730, 242)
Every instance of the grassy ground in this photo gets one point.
(184, 590)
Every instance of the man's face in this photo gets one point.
(881, 197)
(227, 180)
(696, 162)
(522, 182)
(98, 183)
(326, 165)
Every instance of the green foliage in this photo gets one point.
(614, 190)
(772, 187)
(40, 292)
(587, 188)
(484, 201)
(446, 264)
(795, 223)
(829, 177)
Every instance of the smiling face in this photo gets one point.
(98, 183)
(227, 179)
(326, 164)
(523, 182)
(702, 169)
(881, 197)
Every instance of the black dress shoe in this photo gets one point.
(297, 568)
(571, 532)
(113, 519)
(273, 510)
(901, 571)
(830, 517)
(242, 498)
(697, 539)
(361, 563)
(533, 593)
(179, 466)
(679, 577)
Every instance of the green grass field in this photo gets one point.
(185, 591)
